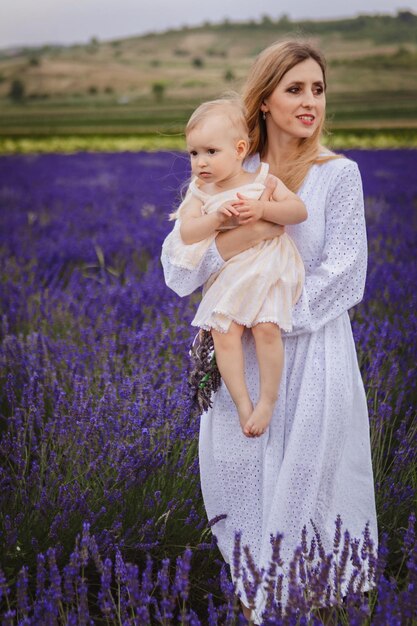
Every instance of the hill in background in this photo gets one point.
(150, 83)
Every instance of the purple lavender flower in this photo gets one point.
(105, 598)
(182, 574)
(23, 602)
(96, 419)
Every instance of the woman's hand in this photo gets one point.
(250, 210)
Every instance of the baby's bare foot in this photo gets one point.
(245, 409)
(260, 419)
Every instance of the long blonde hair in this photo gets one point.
(267, 71)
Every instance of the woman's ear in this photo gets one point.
(264, 107)
(242, 148)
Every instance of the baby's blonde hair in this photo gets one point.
(231, 107)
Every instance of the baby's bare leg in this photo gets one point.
(231, 363)
(270, 354)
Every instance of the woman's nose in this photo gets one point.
(308, 99)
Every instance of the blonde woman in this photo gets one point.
(314, 462)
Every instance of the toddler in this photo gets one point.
(255, 289)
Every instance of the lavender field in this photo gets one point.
(101, 516)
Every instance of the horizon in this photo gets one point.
(32, 38)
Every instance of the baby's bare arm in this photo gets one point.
(196, 226)
(285, 206)
(235, 241)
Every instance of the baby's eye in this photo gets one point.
(193, 153)
(212, 151)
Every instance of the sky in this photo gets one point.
(38, 22)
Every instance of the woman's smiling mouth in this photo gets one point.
(306, 119)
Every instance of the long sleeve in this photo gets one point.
(184, 281)
(337, 282)
(174, 250)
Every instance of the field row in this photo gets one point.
(104, 117)
(375, 138)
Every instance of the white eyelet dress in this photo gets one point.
(314, 461)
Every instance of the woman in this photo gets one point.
(314, 462)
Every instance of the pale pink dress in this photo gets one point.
(261, 284)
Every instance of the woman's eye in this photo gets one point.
(294, 89)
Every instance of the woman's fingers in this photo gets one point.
(270, 184)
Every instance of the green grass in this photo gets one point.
(359, 118)
(338, 139)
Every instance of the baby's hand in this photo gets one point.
(226, 211)
(250, 210)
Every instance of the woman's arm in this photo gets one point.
(185, 281)
(337, 283)
(246, 236)
(226, 245)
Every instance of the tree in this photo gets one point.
(17, 90)
(158, 90)
(198, 62)
(93, 46)
(406, 16)
(284, 20)
(266, 20)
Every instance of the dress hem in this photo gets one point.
(283, 327)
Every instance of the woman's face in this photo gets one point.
(297, 104)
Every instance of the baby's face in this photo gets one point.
(213, 149)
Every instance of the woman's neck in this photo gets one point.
(279, 150)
